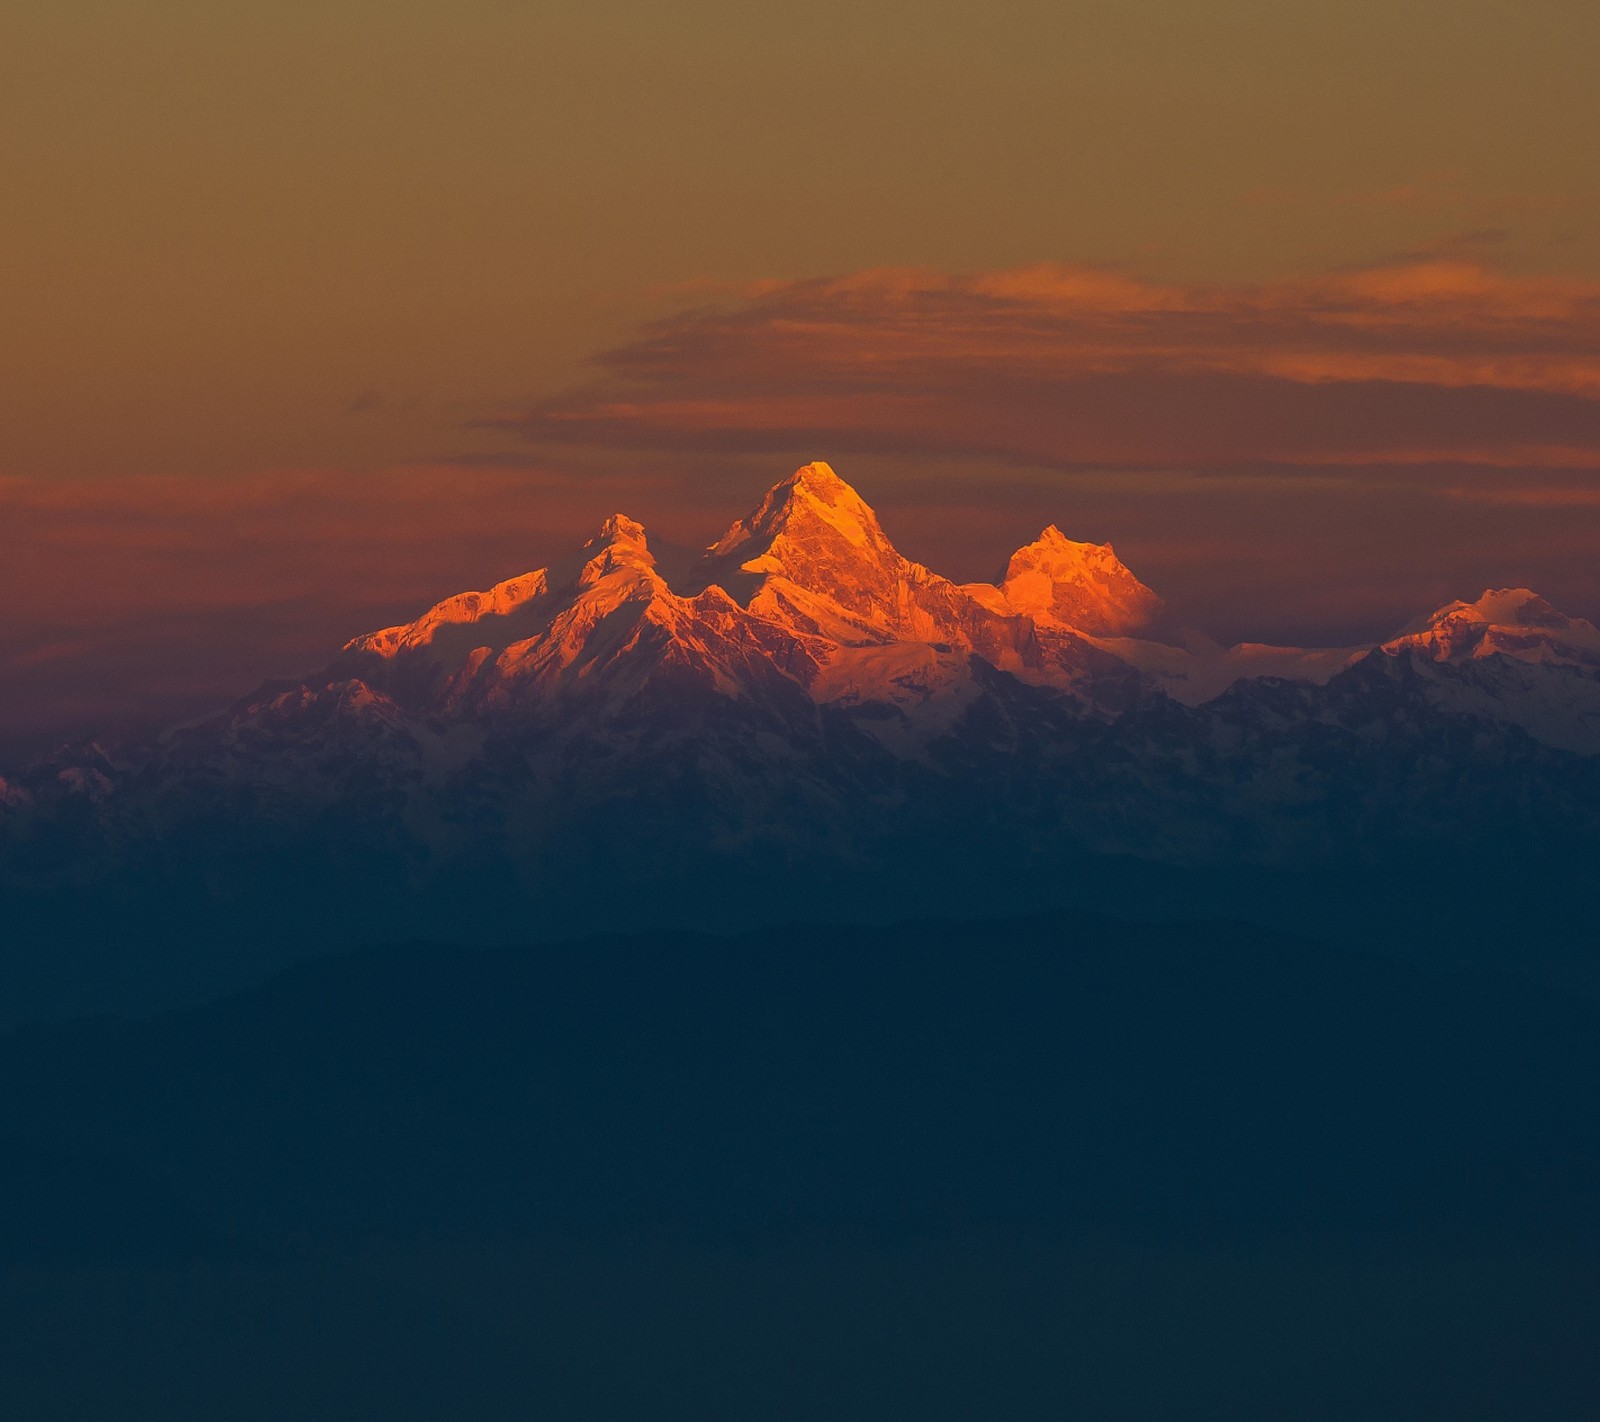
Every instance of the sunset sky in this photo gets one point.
(311, 314)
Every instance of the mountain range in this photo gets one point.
(800, 719)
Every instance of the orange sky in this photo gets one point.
(313, 313)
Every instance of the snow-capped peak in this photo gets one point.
(813, 556)
(619, 528)
(1511, 622)
(620, 543)
(1081, 587)
(812, 513)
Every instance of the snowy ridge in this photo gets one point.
(1510, 622)
(469, 607)
(807, 588)
(807, 597)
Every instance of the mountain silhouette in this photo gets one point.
(921, 1170)
(800, 720)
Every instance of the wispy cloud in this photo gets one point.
(1439, 358)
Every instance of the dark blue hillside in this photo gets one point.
(1031, 1110)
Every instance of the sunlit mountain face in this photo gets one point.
(805, 596)
(798, 721)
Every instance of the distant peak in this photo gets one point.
(621, 543)
(813, 505)
(817, 484)
(1083, 587)
(619, 528)
(819, 475)
(1520, 606)
(1515, 622)
(1054, 537)
(1054, 544)
(1506, 607)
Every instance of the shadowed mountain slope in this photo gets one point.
(877, 1173)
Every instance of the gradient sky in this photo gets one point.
(312, 314)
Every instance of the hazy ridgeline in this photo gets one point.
(931, 1170)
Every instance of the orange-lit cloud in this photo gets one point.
(1440, 358)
